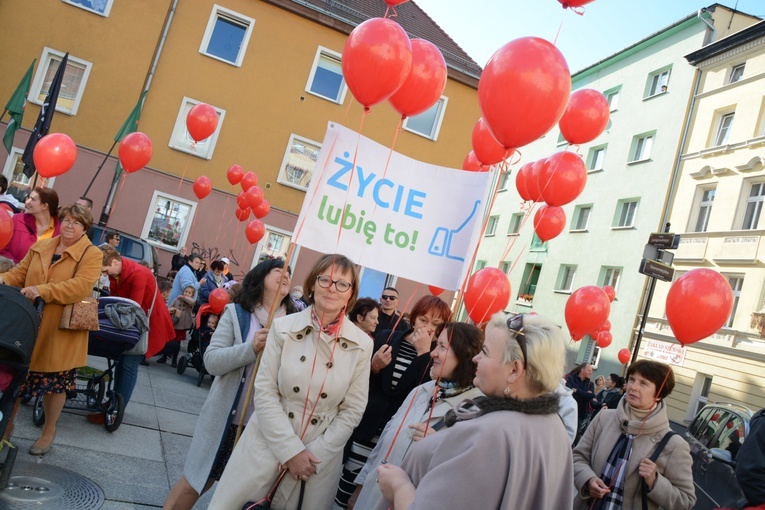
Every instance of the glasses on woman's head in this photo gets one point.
(326, 282)
(70, 221)
(515, 325)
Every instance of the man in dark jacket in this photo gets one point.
(750, 466)
(584, 389)
(389, 318)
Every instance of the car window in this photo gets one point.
(132, 249)
(699, 424)
(731, 436)
(716, 421)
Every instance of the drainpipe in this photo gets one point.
(699, 15)
(147, 83)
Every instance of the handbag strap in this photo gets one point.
(270, 496)
(652, 458)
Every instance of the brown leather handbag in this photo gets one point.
(82, 315)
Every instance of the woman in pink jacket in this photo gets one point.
(40, 221)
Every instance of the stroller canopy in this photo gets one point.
(19, 323)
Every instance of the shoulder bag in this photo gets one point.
(82, 315)
(655, 455)
(265, 503)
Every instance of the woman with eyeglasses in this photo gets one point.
(510, 444)
(39, 220)
(400, 363)
(310, 393)
(61, 270)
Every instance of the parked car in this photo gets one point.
(715, 436)
(130, 246)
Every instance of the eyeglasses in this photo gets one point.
(69, 221)
(388, 298)
(515, 324)
(326, 282)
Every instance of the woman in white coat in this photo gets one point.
(310, 393)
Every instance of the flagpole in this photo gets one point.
(85, 193)
(3, 114)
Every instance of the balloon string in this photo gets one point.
(406, 307)
(555, 41)
(434, 398)
(123, 180)
(220, 225)
(350, 179)
(183, 175)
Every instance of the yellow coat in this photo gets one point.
(57, 350)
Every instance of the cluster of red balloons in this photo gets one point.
(587, 310)
(250, 201)
(201, 121)
(380, 62)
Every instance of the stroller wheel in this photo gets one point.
(96, 388)
(183, 362)
(200, 378)
(38, 412)
(115, 411)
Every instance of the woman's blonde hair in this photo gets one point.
(545, 349)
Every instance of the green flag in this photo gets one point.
(130, 126)
(15, 107)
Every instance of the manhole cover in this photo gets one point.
(45, 487)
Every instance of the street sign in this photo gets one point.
(664, 240)
(651, 252)
(657, 270)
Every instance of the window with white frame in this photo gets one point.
(19, 185)
(561, 139)
(101, 7)
(706, 200)
(641, 147)
(326, 78)
(504, 180)
(169, 220)
(753, 206)
(589, 352)
(72, 85)
(724, 125)
(626, 213)
(480, 264)
(595, 158)
(736, 73)
(505, 266)
(181, 139)
(274, 245)
(515, 224)
(610, 276)
(581, 217)
(612, 96)
(226, 36)
(657, 82)
(702, 386)
(299, 162)
(736, 284)
(565, 280)
(491, 226)
(428, 123)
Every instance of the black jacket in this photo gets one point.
(585, 391)
(388, 322)
(750, 466)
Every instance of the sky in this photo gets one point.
(481, 27)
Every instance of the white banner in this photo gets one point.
(399, 216)
(673, 354)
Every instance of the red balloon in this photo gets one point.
(624, 356)
(376, 60)
(254, 196)
(604, 339)
(394, 3)
(533, 180)
(249, 180)
(54, 154)
(488, 292)
(262, 209)
(562, 178)
(234, 174)
(425, 82)
(6, 228)
(241, 200)
(218, 300)
(523, 91)
(202, 187)
(243, 214)
(586, 116)
(549, 221)
(201, 121)
(586, 309)
(486, 148)
(698, 304)
(135, 151)
(436, 291)
(255, 231)
(606, 325)
(520, 181)
(471, 164)
(610, 292)
(575, 3)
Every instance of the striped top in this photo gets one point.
(406, 354)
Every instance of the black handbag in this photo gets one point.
(265, 503)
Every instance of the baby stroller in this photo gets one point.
(121, 323)
(197, 345)
(19, 323)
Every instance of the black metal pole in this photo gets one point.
(85, 193)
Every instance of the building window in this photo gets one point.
(480, 264)
(169, 220)
(736, 284)
(326, 78)
(428, 123)
(515, 224)
(561, 139)
(657, 82)
(610, 276)
(491, 226)
(612, 96)
(529, 282)
(226, 36)
(701, 389)
(505, 266)
(705, 209)
(581, 217)
(641, 147)
(626, 212)
(299, 162)
(274, 245)
(589, 352)
(754, 206)
(19, 185)
(723, 129)
(537, 244)
(595, 158)
(736, 73)
(504, 179)
(101, 7)
(181, 139)
(565, 278)
(72, 85)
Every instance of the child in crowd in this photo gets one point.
(183, 320)
(206, 331)
(165, 286)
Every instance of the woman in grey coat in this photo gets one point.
(230, 358)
